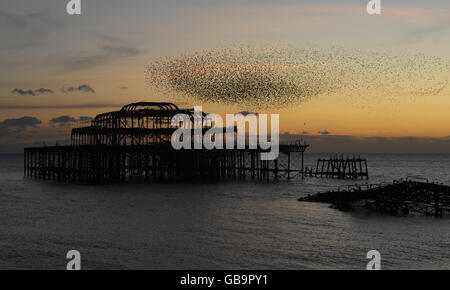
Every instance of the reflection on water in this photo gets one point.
(228, 225)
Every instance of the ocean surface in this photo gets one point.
(227, 225)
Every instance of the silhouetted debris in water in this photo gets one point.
(402, 197)
(268, 77)
(341, 167)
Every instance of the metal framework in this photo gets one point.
(134, 143)
(340, 167)
(402, 197)
(140, 123)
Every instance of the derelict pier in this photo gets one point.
(134, 144)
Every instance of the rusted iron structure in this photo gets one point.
(402, 197)
(134, 144)
(341, 167)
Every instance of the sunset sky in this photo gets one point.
(53, 64)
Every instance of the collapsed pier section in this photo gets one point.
(340, 167)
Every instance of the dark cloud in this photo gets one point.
(68, 120)
(43, 91)
(20, 122)
(63, 120)
(325, 132)
(12, 128)
(246, 113)
(84, 118)
(24, 92)
(81, 88)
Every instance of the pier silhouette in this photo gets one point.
(134, 143)
(341, 167)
